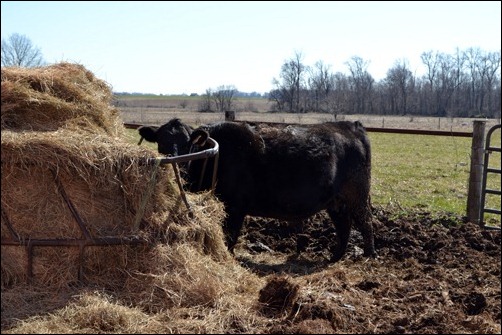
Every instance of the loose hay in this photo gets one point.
(57, 96)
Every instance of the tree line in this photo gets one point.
(466, 83)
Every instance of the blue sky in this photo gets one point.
(175, 47)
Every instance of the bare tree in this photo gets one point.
(362, 84)
(292, 83)
(205, 102)
(339, 100)
(400, 82)
(223, 97)
(487, 66)
(18, 50)
(321, 83)
(431, 61)
(441, 82)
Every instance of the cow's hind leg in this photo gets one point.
(343, 223)
(363, 222)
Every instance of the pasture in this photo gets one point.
(435, 273)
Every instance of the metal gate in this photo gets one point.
(487, 171)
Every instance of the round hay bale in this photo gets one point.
(67, 176)
(44, 174)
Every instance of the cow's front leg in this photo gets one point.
(302, 239)
(232, 228)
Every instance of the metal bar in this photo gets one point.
(491, 228)
(80, 274)
(103, 241)
(132, 125)
(496, 192)
(215, 170)
(29, 270)
(6, 219)
(492, 170)
(371, 129)
(492, 211)
(72, 208)
(202, 173)
(488, 150)
(496, 149)
(419, 132)
(211, 152)
(182, 192)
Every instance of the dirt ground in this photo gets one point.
(434, 274)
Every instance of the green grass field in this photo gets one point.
(420, 172)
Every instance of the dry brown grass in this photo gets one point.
(158, 110)
(161, 116)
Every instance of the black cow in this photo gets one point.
(287, 173)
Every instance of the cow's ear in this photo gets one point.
(199, 137)
(148, 133)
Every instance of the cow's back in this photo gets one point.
(305, 168)
(289, 172)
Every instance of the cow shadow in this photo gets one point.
(269, 246)
(294, 264)
(264, 261)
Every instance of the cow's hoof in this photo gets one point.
(336, 256)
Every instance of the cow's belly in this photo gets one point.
(288, 191)
(294, 203)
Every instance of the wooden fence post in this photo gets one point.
(476, 172)
(230, 116)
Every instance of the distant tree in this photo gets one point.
(339, 100)
(400, 84)
(484, 71)
(183, 103)
(287, 93)
(18, 50)
(491, 66)
(361, 83)
(205, 102)
(321, 83)
(223, 97)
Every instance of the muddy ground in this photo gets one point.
(434, 273)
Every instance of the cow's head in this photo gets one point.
(173, 138)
